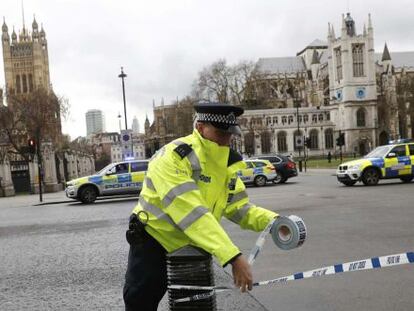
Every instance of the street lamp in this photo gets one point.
(297, 103)
(122, 75)
(298, 121)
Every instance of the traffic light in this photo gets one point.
(340, 141)
(31, 143)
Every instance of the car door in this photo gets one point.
(397, 162)
(246, 175)
(411, 153)
(116, 179)
(138, 171)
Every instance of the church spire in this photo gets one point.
(386, 54)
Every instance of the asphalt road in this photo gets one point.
(70, 256)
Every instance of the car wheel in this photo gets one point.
(260, 181)
(370, 177)
(349, 182)
(406, 179)
(278, 179)
(88, 195)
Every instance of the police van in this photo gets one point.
(116, 178)
(395, 160)
(257, 172)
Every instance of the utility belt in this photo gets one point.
(136, 234)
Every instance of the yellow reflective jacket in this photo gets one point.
(190, 184)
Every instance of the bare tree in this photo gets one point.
(223, 83)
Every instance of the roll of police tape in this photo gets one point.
(365, 264)
(288, 232)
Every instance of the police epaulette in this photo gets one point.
(183, 150)
(234, 157)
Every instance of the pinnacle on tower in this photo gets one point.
(4, 28)
(386, 54)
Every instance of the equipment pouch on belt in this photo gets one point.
(136, 234)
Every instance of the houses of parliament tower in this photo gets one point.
(25, 57)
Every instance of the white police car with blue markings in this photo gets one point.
(257, 172)
(395, 160)
(116, 178)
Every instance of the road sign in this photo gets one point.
(299, 141)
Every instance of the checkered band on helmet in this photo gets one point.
(229, 119)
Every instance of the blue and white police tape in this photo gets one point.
(365, 264)
(287, 233)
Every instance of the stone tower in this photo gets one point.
(352, 84)
(26, 60)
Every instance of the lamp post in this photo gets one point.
(122, 75)
(297, 102)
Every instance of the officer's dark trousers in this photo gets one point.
(146, 276)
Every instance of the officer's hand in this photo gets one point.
(242, 274)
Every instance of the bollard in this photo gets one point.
(300, 165)
(190, 266)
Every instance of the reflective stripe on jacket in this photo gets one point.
(186, 194)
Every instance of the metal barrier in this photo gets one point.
(191, 266)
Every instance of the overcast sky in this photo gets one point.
(163, 44)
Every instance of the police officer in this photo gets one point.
(190, 184)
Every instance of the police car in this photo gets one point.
(116, 178)
(395, 160)
(257, 172)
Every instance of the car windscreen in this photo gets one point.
(378, 152)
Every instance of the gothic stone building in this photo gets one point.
(170, 122)
(338, 86)
(26, 68)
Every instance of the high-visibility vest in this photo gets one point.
(190, 184)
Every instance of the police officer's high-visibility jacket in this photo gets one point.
(190, 184)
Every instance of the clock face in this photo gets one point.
(339, 95)
(360, 93)
(125, 137)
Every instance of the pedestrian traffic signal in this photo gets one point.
(31, 143)
(307, 142)
(340, 141)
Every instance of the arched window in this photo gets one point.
(314, 144)
(295, 135)
(320, 117)
(358, 59)
(329, 139)
(275, 120)
(284, 119)
(249, 143)
(305, 118)
(281, 142)
(314, 118)
(24, 83)
(30, 83)
(360, 117)
(383, 138)
(290, 119)
(18, 85)
(338, 60)
(265, 140)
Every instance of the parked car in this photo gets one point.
(257, 172)
(395, 160)
(285, 167)
(116, 178)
